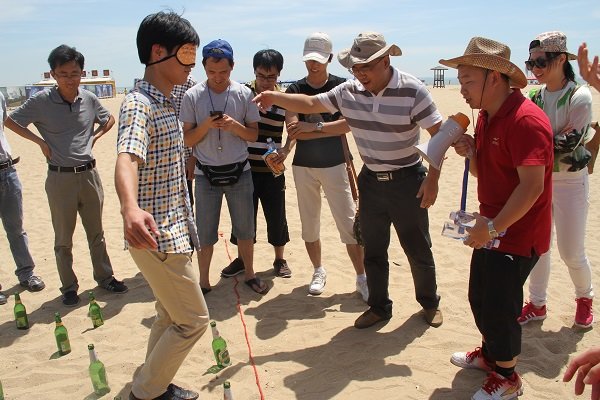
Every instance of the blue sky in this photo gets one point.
(104, 31)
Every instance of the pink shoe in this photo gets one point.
(584, 316)
(531, 313)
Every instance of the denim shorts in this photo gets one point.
(209, 200)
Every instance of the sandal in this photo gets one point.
(205, 290)
(257, 285)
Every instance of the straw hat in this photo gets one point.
(489, 54)
(551, 42)
(367, 46)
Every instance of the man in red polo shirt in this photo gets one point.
(511, 156)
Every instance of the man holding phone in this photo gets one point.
(219, 119)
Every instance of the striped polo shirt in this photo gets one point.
(270, 126)
(385, 126)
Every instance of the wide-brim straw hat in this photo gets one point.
(367, 47)
(489, 54)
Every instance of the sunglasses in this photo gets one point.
(539, 62)
(185, 55)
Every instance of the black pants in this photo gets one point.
(496, 298)
(394, 202)
(270, 191)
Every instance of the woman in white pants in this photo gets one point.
(569, 108)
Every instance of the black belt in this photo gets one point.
(6, 164)
(77, 169)
(386, 176)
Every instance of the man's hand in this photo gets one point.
(479, 235)
(588, 71)
(464, 146)
(428, 191)
(281, 156)
(296, 128)
(588, 372)
(190, 166)
(140, 228)
(265, 100)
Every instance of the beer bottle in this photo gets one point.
(219, 347)
(20, 313)
(97, 373)
(62, 337)
(95, 311)
(1, 392)
(227, 395)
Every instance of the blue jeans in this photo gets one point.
(11, 213)
(208, 208)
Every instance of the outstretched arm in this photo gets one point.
(299, 103)
(588, 372)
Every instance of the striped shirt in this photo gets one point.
(149, 129)
(270, 126)
(385, 126)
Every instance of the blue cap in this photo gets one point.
(218, 49)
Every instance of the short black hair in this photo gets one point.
(64, 54)
(229, 60)
(167, 29)
(268, 59)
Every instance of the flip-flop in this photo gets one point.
(256, 284)
(205, 290)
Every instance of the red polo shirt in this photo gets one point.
(518, 135)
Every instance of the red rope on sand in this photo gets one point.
(239, 307)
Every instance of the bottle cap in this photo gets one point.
(226, 385)
(90, 346)
(461, 119)
(213, 323)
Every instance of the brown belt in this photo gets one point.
(6, 164)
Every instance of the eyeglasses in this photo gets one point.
(364, 68)
(268, 78)
(185, 55)
(539, 62)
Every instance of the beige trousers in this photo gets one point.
(181, 318)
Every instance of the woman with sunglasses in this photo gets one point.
(569, 108)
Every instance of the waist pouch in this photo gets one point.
(223, 175)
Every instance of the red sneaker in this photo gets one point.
(531, 313)
(472, 359)
(497, 387)
(584, 316)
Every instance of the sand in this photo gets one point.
(303, 347)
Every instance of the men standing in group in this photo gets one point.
(512, 157)
(65, 117)
(11, 214)
(385, 108)
(268, 188)
(219, 119)
(157, 216)
(319, 163)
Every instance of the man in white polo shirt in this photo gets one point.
(385, 109)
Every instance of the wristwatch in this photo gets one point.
(319, 126)
(492, 230)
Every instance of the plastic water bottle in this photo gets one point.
(269, 156)
(456, 228)
(463, 218)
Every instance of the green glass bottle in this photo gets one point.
(95, 311)
(219, 347)
(20, 313)
(1, 392)
(62, 337)
(97, 373)
(227, 395)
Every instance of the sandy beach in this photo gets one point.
(287, 344)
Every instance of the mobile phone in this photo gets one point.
(217, 114)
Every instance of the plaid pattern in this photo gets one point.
(149, 129)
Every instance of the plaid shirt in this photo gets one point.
(149, 129)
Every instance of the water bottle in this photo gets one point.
(269, 157)
(456, 228)
(463, 218)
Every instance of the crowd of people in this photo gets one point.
(186, 143)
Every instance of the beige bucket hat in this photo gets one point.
(367, 46)
(489, 54)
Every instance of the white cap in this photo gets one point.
(318, 47)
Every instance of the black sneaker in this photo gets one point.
(70, 298)
(33, 283)
(181, 393)
(282, 269)
(235, 268)
(116, 286)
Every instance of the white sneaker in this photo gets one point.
(362, 289)
(317, 283)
